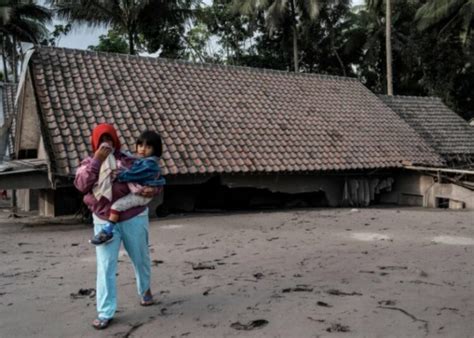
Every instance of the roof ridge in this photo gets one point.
(204, 64)
(411, 97)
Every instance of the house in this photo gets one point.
(448, 133)
(232, 127)
(451, 136)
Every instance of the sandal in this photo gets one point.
(101, 323)
(147, 299)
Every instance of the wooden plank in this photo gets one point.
(24, 179)
(444, 170)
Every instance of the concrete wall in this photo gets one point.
(46, 203)
(414, 189)
(408, 189)
(27, 199)
(458, 196)
(28, 126)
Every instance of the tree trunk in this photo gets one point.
(295, 49)
(22, 56)
(334, 50)
(4, 59)
(341, 64)
(295, 37)
(388, 47)
(131, 45)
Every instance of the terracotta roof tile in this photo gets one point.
(9, 109)
(442, 128)
(220, 119)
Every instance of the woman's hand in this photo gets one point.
(102, 153)
(148, 192)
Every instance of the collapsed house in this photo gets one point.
(225, 129)
(453, 138)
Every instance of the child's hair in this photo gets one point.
(151, 138)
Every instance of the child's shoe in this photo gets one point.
(102, 237)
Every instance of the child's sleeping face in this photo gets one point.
(144, 150)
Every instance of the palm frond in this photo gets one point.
(90, 12)
(375, 5)
(39, 13)
(437, 11)
(311, 7)
(275, 14)
(244, 7)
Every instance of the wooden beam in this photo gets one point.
(444, 170)
(24, 179)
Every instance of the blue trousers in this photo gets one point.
(134, 235)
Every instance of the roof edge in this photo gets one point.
(203, 65)
(409, 97)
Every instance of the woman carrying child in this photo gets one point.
(131, 229)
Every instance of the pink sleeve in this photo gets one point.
(87, 175)
(135, 188)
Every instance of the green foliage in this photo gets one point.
(124, 15)
(25, 22)
(164, 25)
(283, 18)
(447, 16)
(56, 35)
(153, 25)
(113, 42)
(20, 21)
(420, 64)
(325, 42)
(230, 31)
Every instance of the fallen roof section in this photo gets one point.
(24, 174)
(448, 133)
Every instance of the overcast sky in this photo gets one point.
(82, 37)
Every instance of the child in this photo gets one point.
(145, 171)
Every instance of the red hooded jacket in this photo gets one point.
(100, 130)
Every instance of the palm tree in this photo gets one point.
(376, 5)
(446, 14)
(20, 21)
(277, 11)
(5, 10)
(123, 14)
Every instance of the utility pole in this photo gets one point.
(388, 46)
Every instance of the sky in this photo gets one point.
(82, 36)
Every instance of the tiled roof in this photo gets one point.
(443, 129)
(9, 109)
(219, 119)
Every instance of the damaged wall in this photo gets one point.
(332, 186)
(459, 197)
(27, 199)
(408, 189)
(417, 189)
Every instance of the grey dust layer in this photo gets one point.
(296, 273)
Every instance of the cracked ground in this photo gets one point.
(384, 272)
